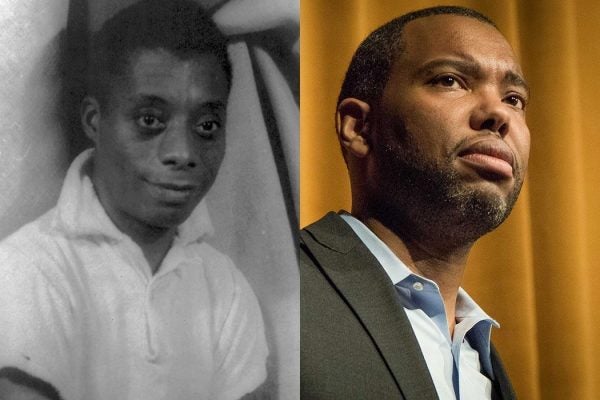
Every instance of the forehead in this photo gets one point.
(162, 73)
(451, 35)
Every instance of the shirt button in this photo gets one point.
(418, 286)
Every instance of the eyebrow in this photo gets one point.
(466, 66)
(150, 100)
(515, 79)
(147, 100)
(214, 105)
(470, 67)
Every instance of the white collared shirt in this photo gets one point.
(80, 308)
(454, 363)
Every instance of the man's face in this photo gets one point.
(160, 138)
(450, 139)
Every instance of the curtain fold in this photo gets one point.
(536, 273)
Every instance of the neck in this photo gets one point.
(154, 243)
(424, 255)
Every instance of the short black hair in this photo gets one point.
(181, 27)
(369, 69)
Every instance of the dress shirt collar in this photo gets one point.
(417, 292)
(80, 214)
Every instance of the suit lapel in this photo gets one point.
(366, 288)
(503, 388)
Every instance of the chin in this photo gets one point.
(487, 201)
(501, 189)
(168, 218)
(480, 212)
(471, 212)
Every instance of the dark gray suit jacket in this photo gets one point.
(356, 340)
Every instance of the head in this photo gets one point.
(159, 80)
(431, 119)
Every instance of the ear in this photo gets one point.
(352, 126)
(90, 117)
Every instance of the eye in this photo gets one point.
(206, 128)
(447, 81)
(516, 101)
(150, 121)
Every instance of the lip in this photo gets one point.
(178, 186)
(172, 192)
(490, 157)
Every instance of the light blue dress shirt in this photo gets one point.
(455, 363)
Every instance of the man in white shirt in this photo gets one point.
(431, 122)
(114, 294)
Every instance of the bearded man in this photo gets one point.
(431, 122)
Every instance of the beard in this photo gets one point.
(429, 198)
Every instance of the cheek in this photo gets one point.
(212, 155)
(113, 138)
(432, 130)
(522, 146)
(126, 161)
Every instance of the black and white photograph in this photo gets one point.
(149, 199)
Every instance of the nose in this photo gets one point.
(176, 148)
(491, 114)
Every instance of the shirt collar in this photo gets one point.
(398, 272)
(394, 268)
(79, 213)
(417, 292)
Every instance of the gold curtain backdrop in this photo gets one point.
(537, 273)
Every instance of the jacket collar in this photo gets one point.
(363, 283)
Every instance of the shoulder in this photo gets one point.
(37, 309)
(325, 242)
(331, 232)
(32, 253)
(329, 224)
(34, 235)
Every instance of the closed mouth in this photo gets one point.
(490, 158)
(175, 193)
(491, 148)
(180, 187)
